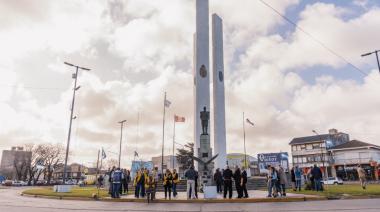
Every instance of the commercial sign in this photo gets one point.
(273, 159)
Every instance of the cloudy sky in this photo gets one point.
(284, 80)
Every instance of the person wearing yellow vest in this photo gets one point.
(168, 181)
(150, 187)
(175, 182)
(137, 184)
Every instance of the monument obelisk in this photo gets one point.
(218, 93)
(201, 68)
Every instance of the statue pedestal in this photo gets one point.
(205, 154)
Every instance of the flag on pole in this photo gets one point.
(136, 154)
(179, 118)
(249, 122)
(167, 103)
(103, 154)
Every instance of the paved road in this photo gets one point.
(11, 201)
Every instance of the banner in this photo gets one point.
(273, 159)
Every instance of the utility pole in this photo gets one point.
(75, 77)
(121, 138)
(377, 57)
(322, 154)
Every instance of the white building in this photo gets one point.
(346, 157)
(168, 162)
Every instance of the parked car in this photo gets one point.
(19, 183)
(7, 183)
(333, 181)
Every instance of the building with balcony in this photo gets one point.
(310, 150)
(347, 156)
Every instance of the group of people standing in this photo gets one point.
(276, 181)
(118, 181)
(145, 183)
(226, 177)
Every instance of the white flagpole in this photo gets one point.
(245, 151)
(163, 137)
(173, 140)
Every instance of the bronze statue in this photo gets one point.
(205, 116)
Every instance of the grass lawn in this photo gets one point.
(342, 190)
(75, 192)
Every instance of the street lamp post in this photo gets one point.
(121, 138)
(377, 57)
(245, 151)
(75, 76)
(322, 155)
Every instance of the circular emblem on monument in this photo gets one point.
(221, 76)
(203, 71)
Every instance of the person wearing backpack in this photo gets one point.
(116, 176)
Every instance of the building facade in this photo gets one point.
(237, 159)
(346, 157)
(15, 162)
(310, 150)
(168, 162)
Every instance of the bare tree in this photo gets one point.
(52, 156)
(21, 164)
(36, 167)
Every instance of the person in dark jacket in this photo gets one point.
(227, 176)
(237, 178)
(110, 172)
(244, 180)
(196, 184)
(116, 176)
(218, 178)
(317, 175)
(293, 178)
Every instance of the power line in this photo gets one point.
(314, 38)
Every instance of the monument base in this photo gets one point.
(205, 154)
(210, 192)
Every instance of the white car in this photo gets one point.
(333, 181)
(19, 183)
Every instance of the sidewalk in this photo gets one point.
(254, 196)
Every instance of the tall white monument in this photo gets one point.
(218, 93)
(201, 68)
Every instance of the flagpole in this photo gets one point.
(97, 169)
(163, 138)
(173, 140)
(245, 151)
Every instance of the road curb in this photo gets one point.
(248, 200)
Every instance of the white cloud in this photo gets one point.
(154, 39)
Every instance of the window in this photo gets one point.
(304, 160)
(303, 147)
(298, 147)
(294, 148)
(316, 146)
(309, 146)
